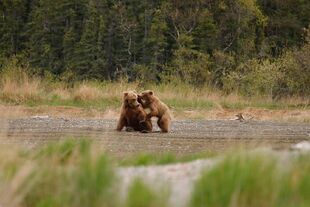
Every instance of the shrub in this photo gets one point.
(190, 67)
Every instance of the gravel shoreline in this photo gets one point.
(185, 137)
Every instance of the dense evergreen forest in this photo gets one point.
(252, 46)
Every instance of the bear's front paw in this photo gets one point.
(142, 124)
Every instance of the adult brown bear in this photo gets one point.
(133, 116)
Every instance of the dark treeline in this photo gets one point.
(201, 41)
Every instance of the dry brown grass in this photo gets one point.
(17, 86)
(84, 92)
(116, 89)
(102, 99)
(90, 91)
(62, 92)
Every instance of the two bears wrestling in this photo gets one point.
(134, 117)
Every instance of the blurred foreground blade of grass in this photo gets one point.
(141, 195)
(76, 173)
(254, 180)
(144, 159)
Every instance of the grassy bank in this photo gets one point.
(76, 173)
(26, 95)
(17, 87)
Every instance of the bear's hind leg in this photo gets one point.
(164, 123)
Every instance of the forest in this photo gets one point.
(251, 47)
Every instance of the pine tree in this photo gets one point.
(13, 17)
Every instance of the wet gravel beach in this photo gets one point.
(185, 136)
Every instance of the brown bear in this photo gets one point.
(133, 115)
(157, 109)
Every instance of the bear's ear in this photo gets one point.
(151, 93)
(125, 93)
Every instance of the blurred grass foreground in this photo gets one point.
(75, 173)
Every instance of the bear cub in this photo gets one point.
(157, 109)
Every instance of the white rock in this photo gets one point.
(40, 117)
(304, 145)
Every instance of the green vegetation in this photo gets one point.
(65, 174)
(140, 195)
(246, 47)
(254, 180)
(68, 173)
(19, 87)
(76, 173)
(162, 159)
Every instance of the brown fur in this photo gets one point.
(133, 115)
(157, 109)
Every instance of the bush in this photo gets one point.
(299, 73)
(254, 78)
(222, 64)
(190, 67)
(288, 75)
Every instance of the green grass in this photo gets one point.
(145, 159)
(67, 174)
(272, 105)
(19, 88)
(178, 105)
(76, 173)
(295, 184)
(141, 195)
(102, 103)
(59, 174)
(197, 104)
(254, 180)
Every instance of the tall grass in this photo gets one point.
(145, 159)
(65, 174)
(18, 86)
(75, 173)
(141, 195)
(295, 184)
(68, 173)
(254, 180)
